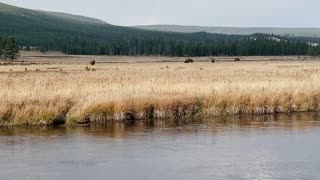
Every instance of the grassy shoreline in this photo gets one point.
(58, 92)
(61, 110)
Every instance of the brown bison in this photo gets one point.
(188, 60)
(236, 59)
(213, 60)
(93, 62)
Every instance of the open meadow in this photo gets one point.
(54, 88)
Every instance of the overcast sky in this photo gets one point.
(240, 13)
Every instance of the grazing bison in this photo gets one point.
(93, 62)
(188, 60)
(213, 60)
(236, 59)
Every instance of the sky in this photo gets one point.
(231, 13)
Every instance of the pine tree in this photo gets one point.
(28, 48)
(11, 49)
(1, 47)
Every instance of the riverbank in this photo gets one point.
(61, 111)
(56, 93)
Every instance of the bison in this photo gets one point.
(213, 60)
(188, 60)
(93, 62)
(236, 59)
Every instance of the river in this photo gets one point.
(249, 147)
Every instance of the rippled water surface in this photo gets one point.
(261, 147)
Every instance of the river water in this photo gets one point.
(259, 147)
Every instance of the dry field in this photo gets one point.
(54, 88)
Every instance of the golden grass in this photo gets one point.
(68, 92)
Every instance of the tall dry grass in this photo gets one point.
(62, 92)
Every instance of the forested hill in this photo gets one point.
(81, 35)
(297, 32)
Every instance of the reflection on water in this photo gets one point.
(242, 147)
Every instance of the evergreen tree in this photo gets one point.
(314, 51)
(11, 49)
(1, 47)
(43, 49)
(28, 48)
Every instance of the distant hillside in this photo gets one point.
(5, 8)
(76, 17)
(73, 34)
(306, 32)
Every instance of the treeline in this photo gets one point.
(314, 51)
(8, 48)
(215, 45)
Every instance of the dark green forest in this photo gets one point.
(79, 35)
(8, 48)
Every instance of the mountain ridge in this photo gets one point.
(14, 10)
(283, 31)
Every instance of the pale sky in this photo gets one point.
(237, 13)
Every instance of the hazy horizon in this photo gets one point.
(229, 13)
